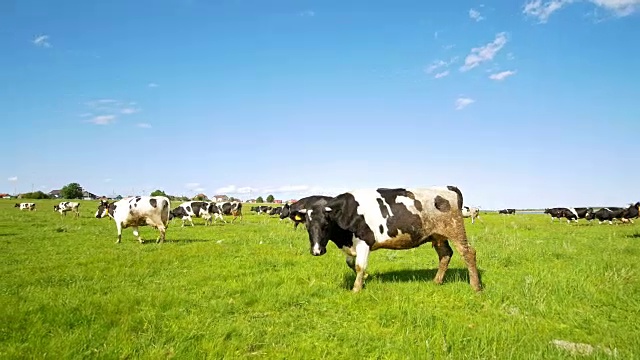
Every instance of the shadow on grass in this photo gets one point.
(452, 275)
(179, 241)
(1, 235)
(635, 236)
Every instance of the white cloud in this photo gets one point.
(543, 10)
(232, 189)
(152, 85)
(103, 119)
(13, 178)
(475, 15)
(286, 189)
(42, 41)
(441, 74)
(463, 102)
(484, 53)
(502, 75)
(439, 64)
(308, 13)
(144, 125)
(129, 111)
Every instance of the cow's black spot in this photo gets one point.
(381, 229)
(402, 219)
(442, 204)
(130, 207)
(138, 198)
(417, 204)
(188, 208)
(383, 208)
(153, 202)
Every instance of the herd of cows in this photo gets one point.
(357, 222)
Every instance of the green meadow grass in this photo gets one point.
(252, 290)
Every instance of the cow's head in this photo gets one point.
(286, 210)
(105, 209)
(56, 207)
(17, 205)
(318, 223)
(178, 212)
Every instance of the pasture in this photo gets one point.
(252, 290)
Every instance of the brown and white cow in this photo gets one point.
(366, 220)
(471, 212)
(138, 211)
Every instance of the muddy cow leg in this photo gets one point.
(441, 245)
(468, 253)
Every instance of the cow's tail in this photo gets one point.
(457, 191)
(166, 203)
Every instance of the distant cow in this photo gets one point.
(263, 209)
(277, 210)
(507, 211)
(365, 220)
(231, 208)
(66, 206)
(138, 211)
(26, 206)
(293, 211)
(471, 212)
(190, 209)
(607, 214)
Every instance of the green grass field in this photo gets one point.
(252, 290)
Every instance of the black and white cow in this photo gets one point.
(66, 206)
(231, 208)
(507, 211)
(138, 211)
(606, 214)
(190, 209)
(293, 211)
(263, 209)
(471, 212)
(631, 212)
(556, 213)
(26, 206)
(365, 220)
(276, 210)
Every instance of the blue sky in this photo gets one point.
(519, 103)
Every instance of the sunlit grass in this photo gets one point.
(252, 289)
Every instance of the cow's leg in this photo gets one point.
(137, 234)
(163, 231)
(468, 253)
(441, 245)
(362, 260)
(119, 227)
(191, 220)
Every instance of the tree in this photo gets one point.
(200, 197)
(259, 199)
(158, 193)
(35, 195)
(71, 191)
(270, 198)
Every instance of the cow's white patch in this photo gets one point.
(309, 214)
(409, 203)
(316, 249)
(369, 208)
(573, 210)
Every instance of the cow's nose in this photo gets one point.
(317, 251)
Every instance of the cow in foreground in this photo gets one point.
(190, 209)
(26, 206)
(66, 206)
(293, 211)
(138, 211)
(365, 220)
(471, 212)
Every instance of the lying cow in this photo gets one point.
(471, 212)
(293, 211)
(199, 209)
(26, 206)
(66, 206)
(507, 211)
(138, 211)
(365, 220)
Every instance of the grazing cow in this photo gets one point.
(275, 211)
(507, 211)
(365, 220)
(472, 212)
(203, 209)
(231, 208)
(556, 213)
(606, 214)
(293, 211)
(26, 206)
(66, 206)
(261, 209)
(138, 211)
